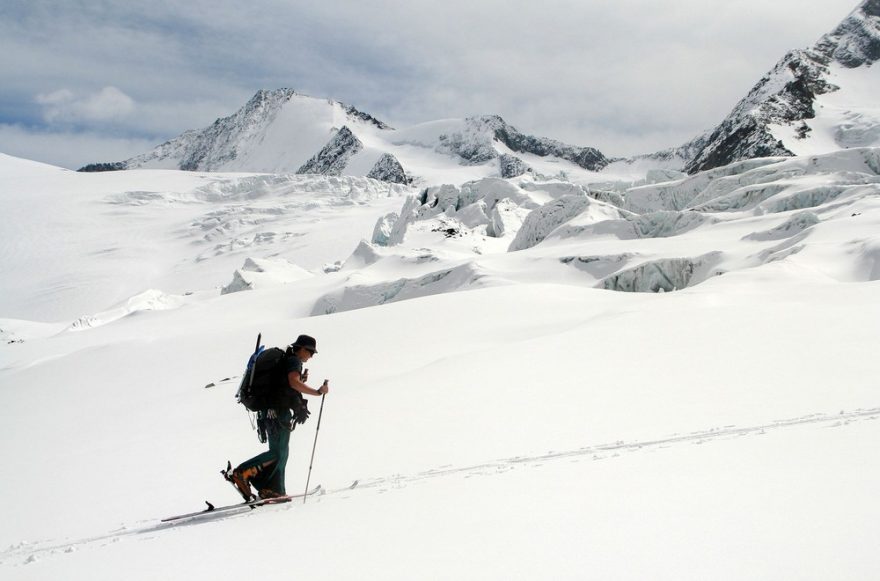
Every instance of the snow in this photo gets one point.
(846, 118)
(282, 131)
(260, 273)
(505, 416)
(111, 236)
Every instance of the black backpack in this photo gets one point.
(264, 384)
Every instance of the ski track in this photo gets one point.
(24, 553)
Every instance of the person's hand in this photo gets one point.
(325, 387)
(301, 413)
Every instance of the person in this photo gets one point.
(265, 472)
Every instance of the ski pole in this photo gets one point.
(315, 445)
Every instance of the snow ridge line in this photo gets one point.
(699, 437)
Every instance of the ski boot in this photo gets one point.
(240, 480)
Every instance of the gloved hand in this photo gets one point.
(261, 430)
(301, 413)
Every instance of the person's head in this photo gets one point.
(304, 347)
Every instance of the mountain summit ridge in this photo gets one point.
(814, 100)
(228, 139)
(791, 96)
(283, 131)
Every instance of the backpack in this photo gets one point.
(264, 384)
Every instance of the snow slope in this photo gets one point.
(544, 423)
(79, 243)
(847, 117)
(282, 131)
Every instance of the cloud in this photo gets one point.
(627, 77)
(107, 105)
(67, 148)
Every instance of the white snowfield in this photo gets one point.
(530, 378)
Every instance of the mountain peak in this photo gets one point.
(284, 131)
(826, 89)
(257, 137)
(856, 41)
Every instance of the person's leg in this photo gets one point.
(258, 470)
(281, 447)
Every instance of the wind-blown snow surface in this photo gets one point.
(537, 426)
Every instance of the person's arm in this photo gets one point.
(296, 383)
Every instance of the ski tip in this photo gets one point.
(354, 484)
(210, 506)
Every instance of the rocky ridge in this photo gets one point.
(475, 144)
(333, 158)
(224, 140)
(787, 94)
(388, 169)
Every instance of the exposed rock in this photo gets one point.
(388, 169)
(215, 146)
(353, 112)
(333, 158)
(787, 94)
(512, 166)
(475, 144)
(784, 96)
(856, 42)
(98, 167)
(586, 157)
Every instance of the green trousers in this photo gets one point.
(271, 464)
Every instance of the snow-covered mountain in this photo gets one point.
(276, 131)
(528, 354)
(283, 131)
(537, 370)
(814, 101)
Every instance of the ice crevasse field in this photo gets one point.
(530, 378)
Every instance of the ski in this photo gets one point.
(241, 505)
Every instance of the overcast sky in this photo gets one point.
(102, 80)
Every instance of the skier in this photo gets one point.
(265, 472)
